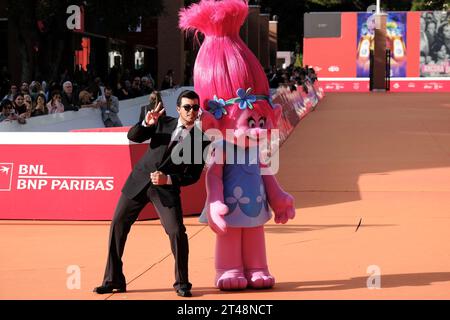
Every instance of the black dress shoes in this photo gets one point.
(109, 289)
(186, 293)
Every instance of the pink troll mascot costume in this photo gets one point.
(234, 92)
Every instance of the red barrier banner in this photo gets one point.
(425, 85)
(78, 176)
(396, 85)
(345, 85)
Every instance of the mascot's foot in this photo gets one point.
(259, 279)
(231, 280)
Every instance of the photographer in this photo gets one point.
(8, 113)
(153, 100)
(109, 105)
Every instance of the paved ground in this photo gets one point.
(382, 159)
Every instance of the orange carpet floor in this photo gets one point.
(378, 160)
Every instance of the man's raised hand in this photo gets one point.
(152, 116)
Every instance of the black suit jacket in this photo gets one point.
(70, 104)
(157, 158)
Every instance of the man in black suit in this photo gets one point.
(157, 178)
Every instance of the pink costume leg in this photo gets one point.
(255, 261)
(229, 267)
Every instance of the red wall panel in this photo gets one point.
(329, 53)
(413, 44)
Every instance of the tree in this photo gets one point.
(362, 5)
(42, 32)
(424, 5)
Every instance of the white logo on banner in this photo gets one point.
(35, 177)
(338, 86)
(396, 85)
(334, 69)
(433, 85)
(6, 171)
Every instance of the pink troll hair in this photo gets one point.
(224, 62)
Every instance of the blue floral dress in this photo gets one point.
(244, 191)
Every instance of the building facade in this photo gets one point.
(155, 47)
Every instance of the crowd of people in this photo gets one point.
(292, 78)
(73, 92)
(80, 90)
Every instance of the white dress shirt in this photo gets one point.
(180, 132)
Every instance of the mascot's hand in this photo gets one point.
(283, 206)
(217, 210)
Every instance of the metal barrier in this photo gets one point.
(387, 78)
(388, 70)
(372, 64)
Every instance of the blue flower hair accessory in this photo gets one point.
(217, 107)
(244, 98)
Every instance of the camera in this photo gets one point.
(21, 120)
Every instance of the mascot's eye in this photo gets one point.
(251, 122)
(262, 122)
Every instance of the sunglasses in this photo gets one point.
(188, 107)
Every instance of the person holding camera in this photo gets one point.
(7, 112)
(154, 100)
(109, 106)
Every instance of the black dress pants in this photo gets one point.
(127, 211)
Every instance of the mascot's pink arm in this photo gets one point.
(281, 202)
(215, 205)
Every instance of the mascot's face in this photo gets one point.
(250, 126)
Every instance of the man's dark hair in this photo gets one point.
(189, 94)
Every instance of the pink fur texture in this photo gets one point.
(235, 66)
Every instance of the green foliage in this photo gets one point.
(422, 5)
